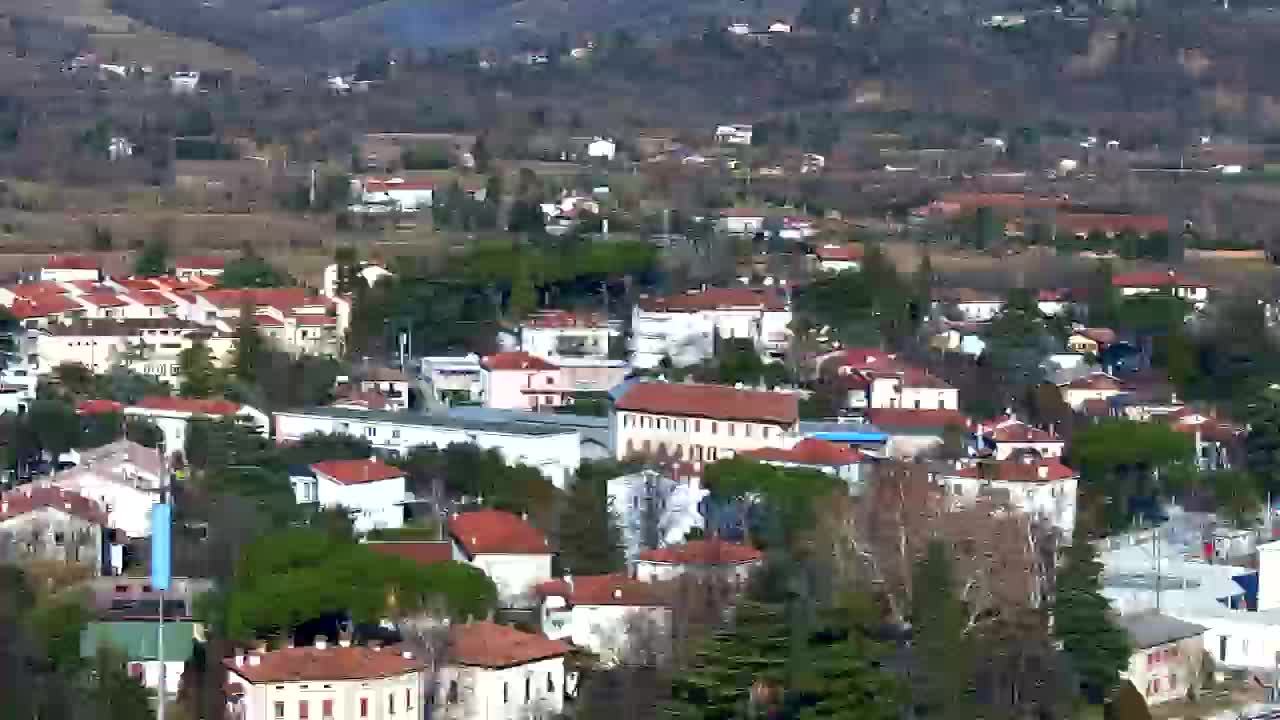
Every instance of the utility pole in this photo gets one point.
(161, 524)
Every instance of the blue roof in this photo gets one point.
(843, 431)
(864, 437)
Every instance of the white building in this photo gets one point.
(684, 328)
(343, 683)
(1008, 436)
(700, 559)
(1044, 489)
(368, 272)
(741, 221)
(649, 503)
(734, 134)
(602, 148)
(372, 492)
(148, 347)
(556, 335)
(391, 384)
(1095, 386)
(405, 195)
(70, 268)
(871, 378)
(556, 452)
(1170, 283)
(173, 415)
(839, 258)
(187, 266)
(515, 555)
(703, 423)
(453, 378)
(967, 304)
(124, 478)
(495, 672)
(616, 617)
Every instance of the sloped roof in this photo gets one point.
(719, 402)
(908, 418)
(72, 262)
(1015, 471)
(497, 532)
(851, 252)
(810, 451)
(713, 551)
(195, 406)
(489, 645)
(516, 361)
(98, 407)
(357, 472)
(423, 552)
(28, 499)
(1020, 432)
(612, 589)
(331, 663)
(716, 299)
(42, 306)
(1154, 279)
(1150, 629)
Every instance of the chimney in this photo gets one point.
(239, 657)
(1043, 472)
(568, 580)
(407, 654)
(322, 642)
(617, 593)
(255, 659)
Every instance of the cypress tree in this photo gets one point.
(942, 652)
(590, 540)
(1097, 648)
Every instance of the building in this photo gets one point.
(323, 681)
(391, 384)
(555, 451)
(652, 505)
(1008, 437)
(1090, 341)
(741, 221)
(711, 559)
(683, 329)
(967, 304)
(403, 195)
(137, 640)
(148, 347)
(873, 379)
(44, 523)
(913, 433)
(70, 268)
(557, 335)
(494, 671)
(839, 258)
(736, 134)
(515, 555)
(205, 265)
(1095, 386)
(372, 492)
(123, 478)
(1168, 283)
(823, 456)
(1168, 656)
(618, 618)
(1043, 489)
(453, 379)
(521, 381)
(173, 415)
(368, 272)
(687, 421)
(602, 149)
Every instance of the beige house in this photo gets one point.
(39, 522)
(495, 672)
(149, 347)
(325, 682)
(1168, 656)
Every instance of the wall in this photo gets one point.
(701, 439)
(675, 508)
(505, 388)
(80, 541)
(576, 341)
(1047, 450)
(129, 507)
(375, 504)
(480, 692)
(647, 571)
(514, 575)
(910, 445)
(687, 338)
(634, 634)
(346, 694)
(1053, 501)
(1165, 672)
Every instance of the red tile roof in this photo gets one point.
(1015, 471)
(98, 407)
(1103, 336)
(486, 644)
(718, 402)
(1084, 223)
(703, 552)
(1019, 432)
(566, 319)
(368, 399)
(284, 298)
(516, 361)
(1095, 407)
(266, 320)
(331, 663)
(423, 552)
(200, 262)
(43, 306)
(72, 262)
(140, 283)
(1095, 381)
(357, 472)
(1053, 295)
(103, 299)
(716, 299)
(1154, 279)
(847, 253)
(151, 298)
(36, 289)
(971, 200)
(195, 406)
(497, 532)
(810, 451)
(907, 418)
(30, 498)
(862, 358)
(615, 589)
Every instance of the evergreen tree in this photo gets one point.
(247, 357)
(942, 652)
(922, 286)
(1098, 650)
(153, 260)
(524, 297)
(200, 378)
(1103, 299)
(348, 269)
(590, 540)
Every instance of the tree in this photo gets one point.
(590, 540)
(922, 287)
(143, 431)
(942, 652)
(247, 355)
(98, 429)
(1237, 496)
(1098, 650)
(1122, 460)
(200, 378)
(154, 258)
(75, 378)
(524, 299)
(348, 269)
(251, 271)
(1103, 299)
(56, 426)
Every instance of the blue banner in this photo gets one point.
(161, 514)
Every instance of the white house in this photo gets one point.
(968, 304)
(710, 559)
(371, 491)
(149, 346)
(1044, 489)
(453, 378)
(124, 478)
(823, 456)
(173, 415)
(1095, 386)
(555, 335)
(555, 451)
(181, 83)
(602, 148)
(1167, 658)
(869, 378)
(838, 258)
(683, 328)
(205, 265)
(69, 268)
(616, 617)
(650, 503)
(734, 134)
(1008, 436)
(741, 221)
(391, 384)
(495, 672)
(368, 272)
(703, 423)
(515, 555)
(405, 195)
(1053, 302)
(342, 682)
(1171, 282)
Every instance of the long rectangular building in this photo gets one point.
(555, 451)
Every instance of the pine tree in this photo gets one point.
(942, 652)
(590, 540)
(741, 666)
(1097, 648)
(922, 286)
(249, 347)
(200, 378)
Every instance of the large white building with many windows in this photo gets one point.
(685, 328)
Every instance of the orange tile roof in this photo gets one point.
(1154, 279)
(497, 532)
(72, 262)
(331, 663)
(810, 451)
(1019, 432)
(516, 361)
(613, 589)
(703, 552)
(423, 552)
(43, 306)
(848, 253)
(103, 299)
(910, 418)
(1015, 471)
(195, 406)
(1095, 381)
(565, 319)
(716, 299)
(486, 644)
(357, 472)
(98, 407)
(30, 498)
(151, 298)
(719, 402)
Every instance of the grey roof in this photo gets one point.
(1150, 629)
(592, 428)
(435, 420)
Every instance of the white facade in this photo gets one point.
(734, 134)
(601, 148)
(613, 627)
(692, 438)
(375, 504)
(513, 574)
(454, 378)
(368, 272)
(1050, 498)
(146, 348)
(649, 497)
(558, 343)
(556, 453)
(127, 503)
(737, 223)
(70, 274)
(173, 423)
(372, 698)
(688, 337)
(469, 692)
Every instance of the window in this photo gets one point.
(551, 683)
(732, 429)
(371, 432)
(452, 696)
(746, 429)
(364, 707)
(548, 381)
(304, 711)
(506, 694)
(408, 699)
(528, 688)
(136, 670)
(326, 709)
(59, 538)
(764, 432)
(391, 703)
(279, 710)
(395, 433)
(697, 426)
(714, 428)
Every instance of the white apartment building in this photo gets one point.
(616, 617)
(1044, 489)
(372, 492)
(321, 682)
(686, 421)
(1171, 282)
(1008, 437)
(70, 268)
(556, 335)
(495, 672)
(173, 415)
(554, 451)
(187, 266)
(684, 328)
(515, 555)
(149, 347)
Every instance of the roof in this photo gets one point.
(497, 532)
(1020, 432)
(383, 374)
(195, 406)
(703, 552)
(908, 418)
(110, 327)
(1015, 471)
(718, 402)
(533, 427)
(1112, 223)
(43, 306)
(1095, 381)
(486, 644)
(716, 299)
(150, 298)
(30, 498)
(810, 451)
(423, 552)
(1154, 279)
(613, 589)
(72, 262)
(331, 663)
(966, 295)
(999, 200)
(565, 319)
(516, 361)
(98, 407)
(200, 262)
(137, 640)
(103, 299)
(847, 253)
(1149, 629)
(1105, 336)
(357, 472)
